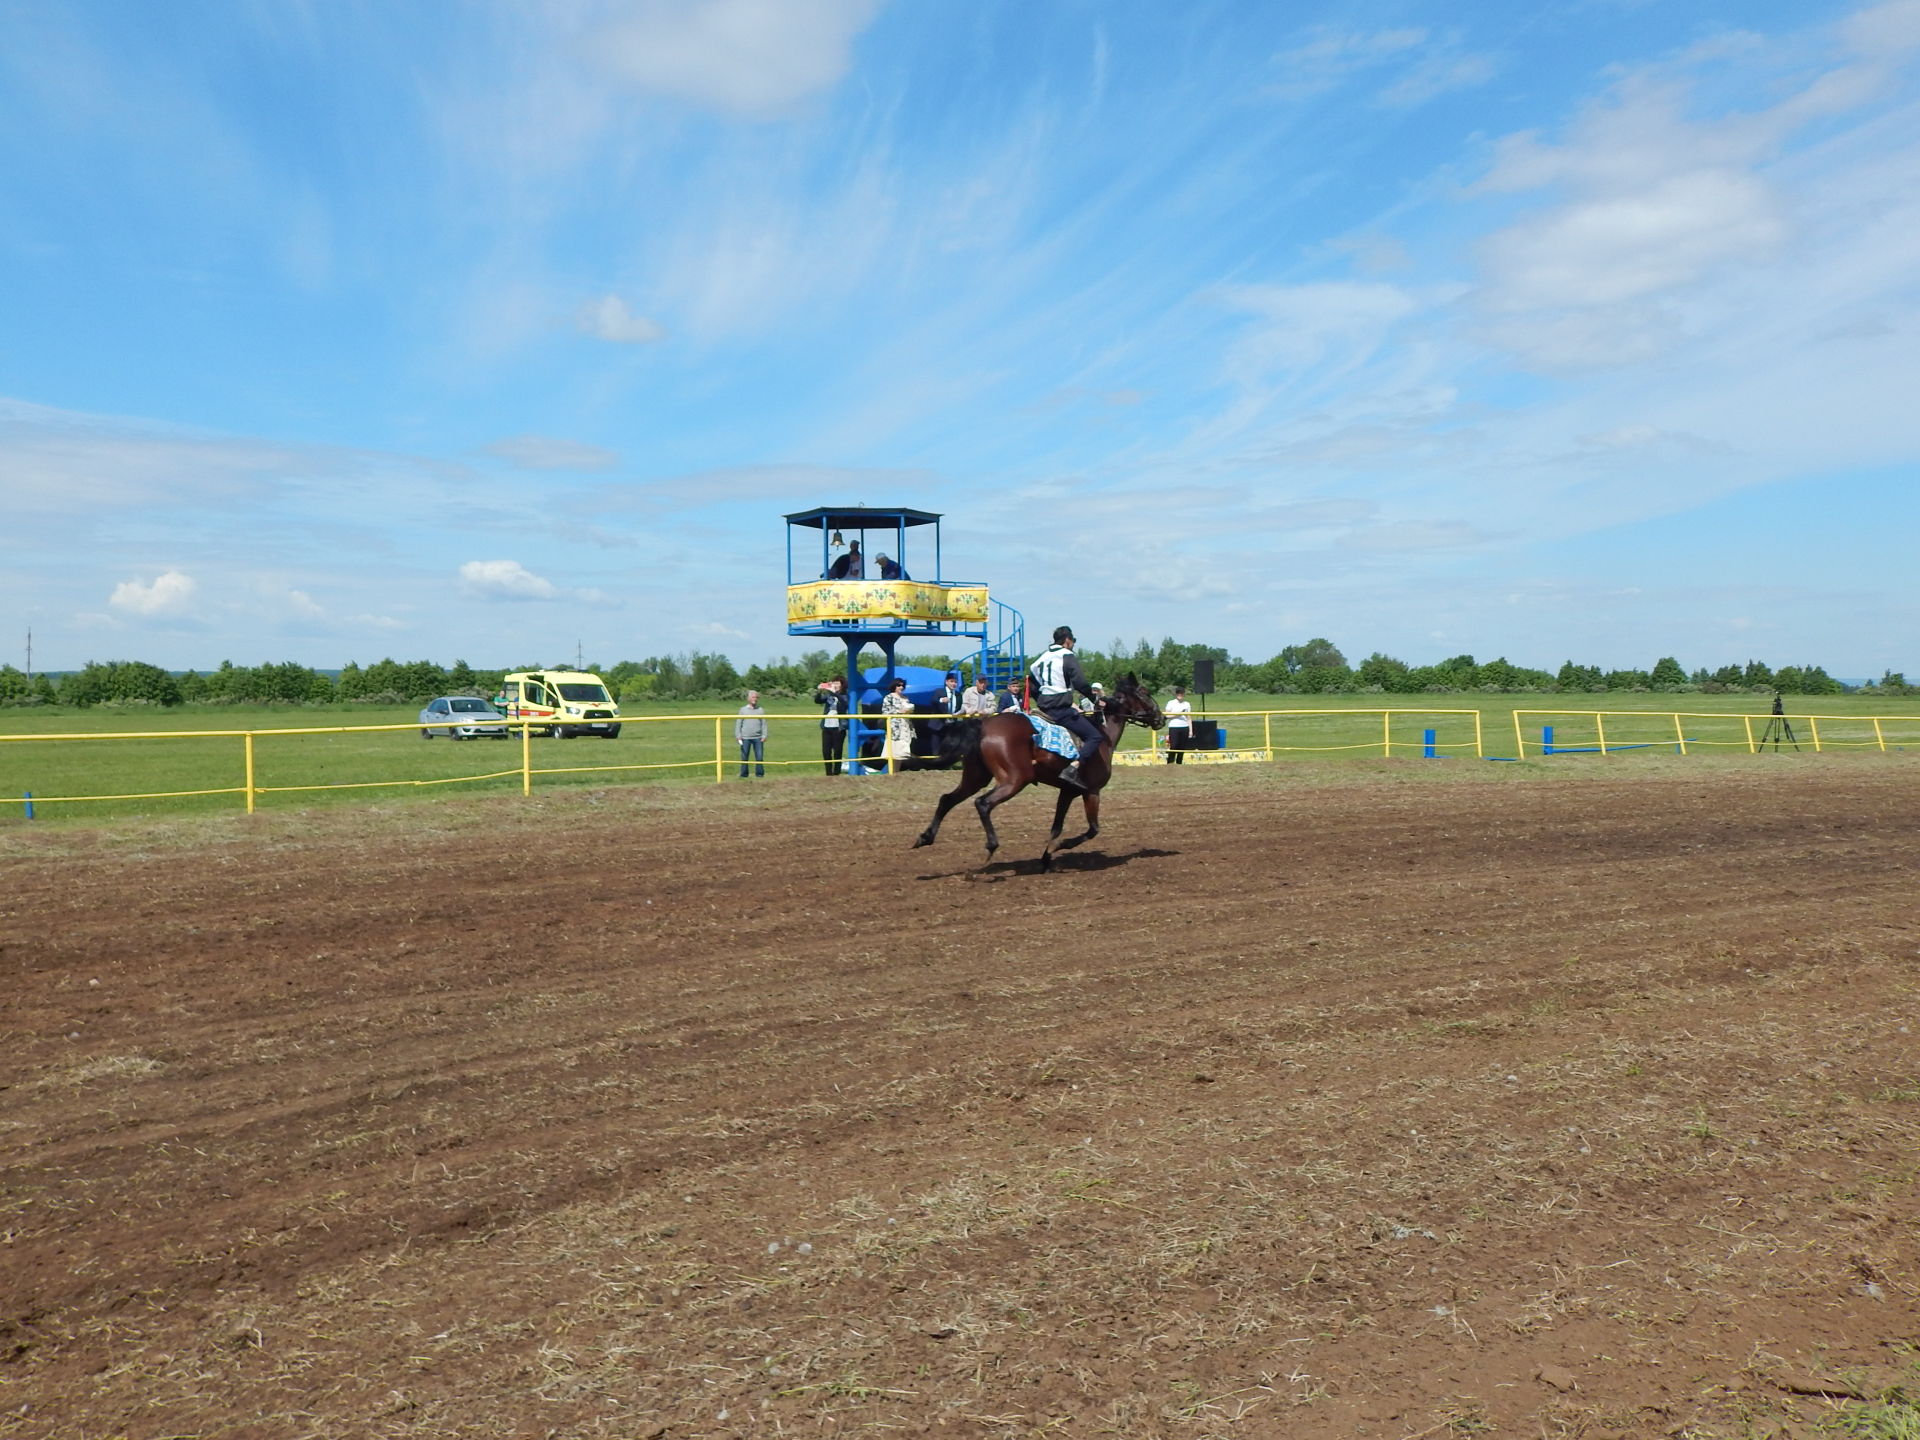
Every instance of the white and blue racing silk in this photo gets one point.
(1050, 672)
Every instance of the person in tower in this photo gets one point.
(1057, 678)
(849, 566)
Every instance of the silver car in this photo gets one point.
(462, 717)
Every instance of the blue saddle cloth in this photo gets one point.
(1057, 738)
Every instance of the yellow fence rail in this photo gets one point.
(1610, 732)
(259, 765)
(1373, 731)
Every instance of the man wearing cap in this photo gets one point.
(1057, 678)
(979, 702)
(945, 707)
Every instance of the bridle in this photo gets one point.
(1115, 705)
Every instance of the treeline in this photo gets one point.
(133, 682)
(1319, 667)
(395, 682)
(1315, 667)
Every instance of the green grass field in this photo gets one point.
(679, 743)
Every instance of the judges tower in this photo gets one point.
(836, 589)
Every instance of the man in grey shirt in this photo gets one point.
(750, 731)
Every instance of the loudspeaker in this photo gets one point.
(1203, 677)
(1206, 735)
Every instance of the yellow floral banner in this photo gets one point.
(884, 599)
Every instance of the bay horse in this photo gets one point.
(1002, 749)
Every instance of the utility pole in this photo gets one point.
(29, 652)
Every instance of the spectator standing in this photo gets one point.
(750, 733)
(830, 695)
(946, 709)
(1179, 713)
(897, 707)
(979, 702)
(1010, 697)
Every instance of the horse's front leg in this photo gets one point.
(1092, 805)
(999, 795)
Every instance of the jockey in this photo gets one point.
(1057, 676)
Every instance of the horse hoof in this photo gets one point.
(923, 840)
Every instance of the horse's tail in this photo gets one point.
(959, 741)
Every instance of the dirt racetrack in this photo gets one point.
(1386, 1100)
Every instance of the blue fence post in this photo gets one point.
(1426, 741)
(29, 804)
(1546, 739)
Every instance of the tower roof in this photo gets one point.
(860, 517)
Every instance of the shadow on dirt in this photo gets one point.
(1063, 864)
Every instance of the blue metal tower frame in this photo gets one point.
(871, 611)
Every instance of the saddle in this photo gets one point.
(1056, 738)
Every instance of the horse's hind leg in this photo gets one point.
(971, 779)
(999, 795)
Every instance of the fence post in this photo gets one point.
(1267, 724)
(1546, 739)
(249, 740)
(1877, 735)
(719, 757)
(1479, 750)
(1813, 726)
(526, 756)
(1752, 749)
(30, 803)
(1680, 734)
(1519, 735)
(1426, 742)
(1386, 734)
(1600, 724)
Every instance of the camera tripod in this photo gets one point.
(1779, 728)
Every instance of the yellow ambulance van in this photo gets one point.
(563, 702)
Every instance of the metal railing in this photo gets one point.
(258, 765)
(1711, 730)
(267, 762)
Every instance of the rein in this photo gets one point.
(1113, 707)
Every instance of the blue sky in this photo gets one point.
(457, 329)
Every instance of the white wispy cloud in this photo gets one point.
(750, 58)
(505, 580)
(1327, 57)
(55, 462)
(303, 606)
(1307, 325)
(545, 452)
(1444, 70)
(609, 318)
(167, 596)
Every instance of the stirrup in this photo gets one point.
(1071, 776)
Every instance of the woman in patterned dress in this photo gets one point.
(896, 707)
